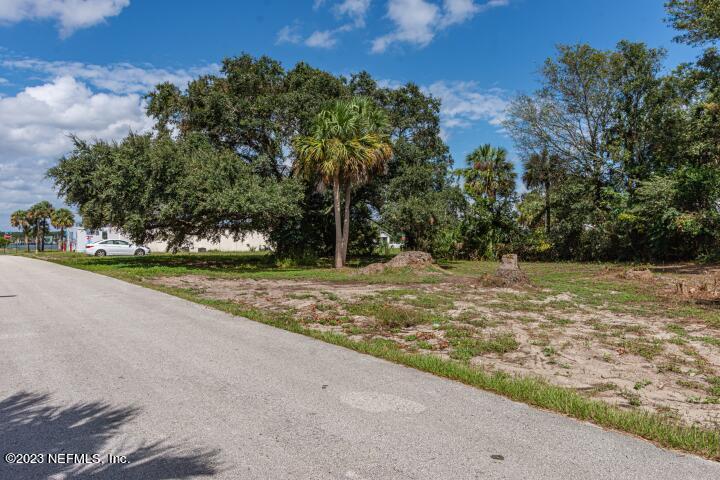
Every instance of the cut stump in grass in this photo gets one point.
(509, 273)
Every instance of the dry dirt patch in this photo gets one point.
(297, 296)
(633, 360)
(689, 282)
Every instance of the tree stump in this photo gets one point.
(509, 273)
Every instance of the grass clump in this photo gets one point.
(464, 348)
(641, 384)
(643, 348)
(391, 316)
(549, 351)
(714, 388)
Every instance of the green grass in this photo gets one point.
(575, 278)
(422, 344)
(642, 384)
(642, 347)
(392, 316)
(256, 266)
(466, 347)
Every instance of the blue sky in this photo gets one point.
(82, 66)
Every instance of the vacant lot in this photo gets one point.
(643, 340)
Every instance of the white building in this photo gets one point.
(252, 242)
(78, 237)
(385, 239)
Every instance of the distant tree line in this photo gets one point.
(620, 161)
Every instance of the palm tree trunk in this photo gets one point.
(338, 222)
(37, 236)
(547, 208)
(346, 222)
(27, 242)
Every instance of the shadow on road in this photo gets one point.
(31, 423)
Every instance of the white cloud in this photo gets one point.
(35, 125)
(288, 34)
(465, 103)
(389, 83)
(116, 78)
(71, 15)
(418, 21)
(462, 103)
(414, 21)
(37, 119)
(91, 101)
(321, 39)
(457, 11)
(352, 12)
(354, 9)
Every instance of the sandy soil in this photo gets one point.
(663, 364)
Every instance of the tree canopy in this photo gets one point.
(160, 188)
(700, 20)
(620, 160)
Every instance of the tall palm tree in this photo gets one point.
(40, 213)
(541, 170)
(61, 219)
(21, 220)
(489, 173)
(348, 144)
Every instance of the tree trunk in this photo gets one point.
(27, 243)
(37, 236)
(346, 222)
(338, 222)
(547, 208)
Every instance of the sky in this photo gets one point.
(83, 66)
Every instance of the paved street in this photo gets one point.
(92, 365)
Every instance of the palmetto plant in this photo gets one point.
(62, 219)
(21, 220)
(39, 215)
(542, 170)
(489, 173)
(347, 147)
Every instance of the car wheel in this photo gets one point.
(139, 252)
(100, 253)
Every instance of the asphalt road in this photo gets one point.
(92, 365)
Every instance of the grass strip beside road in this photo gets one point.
(656, 428)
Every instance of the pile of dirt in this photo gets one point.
(641, 275)
(410, 259)
(509, 273)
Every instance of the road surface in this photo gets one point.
(132, 383)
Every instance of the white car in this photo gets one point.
(115, 247)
